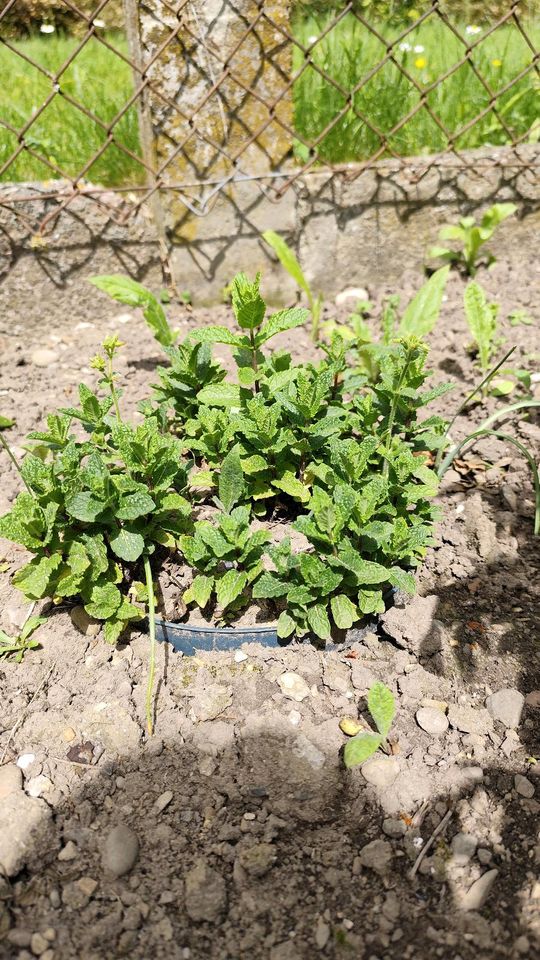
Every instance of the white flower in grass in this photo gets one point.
(100, 23)
(472, 30)
(405, 47)
(47, 28)
(419, 48)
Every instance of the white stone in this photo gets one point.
(431, 720)
(239, 656)
(25, 760)
(380, 771)
(37, 786)
(43, 357)
(506, 706)
(293, 686)
(351, 293)
(477, 894)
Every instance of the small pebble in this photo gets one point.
(163, 801)
(523, 786)
(293, 686)
(69, 852)
(11, 779)
(25, 760)
(239, 656)
(38, 944)
(43, 357)
(431, 720)
(120, 850)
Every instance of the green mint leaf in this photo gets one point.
(293, 487)
(285, 625)
(402, 580)
(371, 601)
(360, 748)
(134, 505)
(200, 591)
(382, 707)
(229, 588)
(269, 586)
(281, 321)
(317, 618)
(220, 395)
(85, 506)
(105, 599)
(34, 579)
(218, 334)
(248, 305)
(127, 545)
(231, 480)
(344, 611)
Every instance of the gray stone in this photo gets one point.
(11, 780)
(377, 856)
(431, 720)
(322, 934)
(163, 801)
(394, 828)
(120, 850)
(523, 786)
(380, 771)
(470, 719)
(477, 894)
(43, 357)
(22, 819)
(206, 893)
(69, 852)
(38, 944)
(506, 706)
(463, 848)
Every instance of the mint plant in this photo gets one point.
(470, 237)
(382, 708)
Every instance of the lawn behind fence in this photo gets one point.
(103, 83)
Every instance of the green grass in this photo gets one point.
(97, 79)
(349, 52)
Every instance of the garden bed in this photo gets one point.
(253, 839)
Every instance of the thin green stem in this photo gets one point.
(113, 391)
(152, 656)
(14, 461)
(254, 363)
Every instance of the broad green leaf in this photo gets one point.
(371, 601)
(218, 334)
(501, 387)
(360, 748)
(246, 376)
(128, 291)
(344, 611)
(422, 313)
(281, 321)
(367, 572)
(231, 480)
(127, 545)
(200, 591)
(497, 213)
(5, 423)
(105, 600)
(254, 464)
(31, 626)
(229, 588)
(113, 630)
(220, 395)
(269, 586)
(201, 480)
(402, 580)
(317, 618)
(287, 258)
(293, 487)
(133, 505)
(285, 625)
(382, 707)
(85, 506)
(34, 579)
(78, 562)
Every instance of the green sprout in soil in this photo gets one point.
(470, 237)
(382, 708)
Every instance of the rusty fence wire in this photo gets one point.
(125, 103)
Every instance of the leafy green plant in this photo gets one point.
(482, 320)
(96, 508)
(470, 237)
(382, 708)
(16, 647)
(419, 318)
(289, 261)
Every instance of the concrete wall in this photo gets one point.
(356, 232)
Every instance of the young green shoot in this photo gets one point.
(382, 708)
(289, 261)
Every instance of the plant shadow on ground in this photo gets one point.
(280, 830)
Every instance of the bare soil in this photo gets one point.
(254, 841)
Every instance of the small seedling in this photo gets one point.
(482, 320)
(520, 318)
(289, 261)
(470, 237)
(16, 647)
(382, 708)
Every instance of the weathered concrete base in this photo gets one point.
(358, 232)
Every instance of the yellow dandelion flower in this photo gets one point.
(420, 62)
(496, 63)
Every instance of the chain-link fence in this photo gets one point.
(155, 102)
